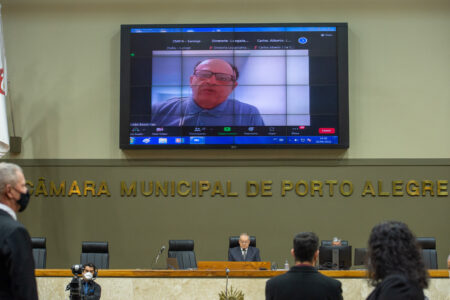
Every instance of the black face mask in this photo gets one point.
(23, 201)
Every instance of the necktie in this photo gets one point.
(244, 253)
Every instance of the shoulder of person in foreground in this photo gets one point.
(397, 286)
(333, 284)
(23, 282)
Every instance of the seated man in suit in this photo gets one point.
(244, 252)
(303, 281)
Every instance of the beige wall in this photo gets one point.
(63, 63)
(208, 288)
(137, 226)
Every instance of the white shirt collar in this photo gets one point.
(8, 210)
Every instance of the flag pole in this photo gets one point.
(4, 133)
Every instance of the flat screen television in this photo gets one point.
(234, 86)
(344, 257)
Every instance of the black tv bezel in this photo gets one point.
(342, 76)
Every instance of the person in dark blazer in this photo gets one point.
(89, 289)
(303, 281)
(395, 264)
(244, 252)
(17, 281)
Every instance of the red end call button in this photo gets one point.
(327, 130)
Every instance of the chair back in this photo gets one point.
(429, 254)
(39, 252)
(96, 253)
(183, 251)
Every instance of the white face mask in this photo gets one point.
(88, 276)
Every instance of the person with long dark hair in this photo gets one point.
(395, 264)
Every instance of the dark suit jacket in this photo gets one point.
(235, 254)
(94, 290)
(395, 287)
(303, 282)
(17, 281)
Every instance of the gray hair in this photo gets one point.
(8, 175)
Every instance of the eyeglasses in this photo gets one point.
(219, 76)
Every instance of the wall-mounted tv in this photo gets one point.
(234, 86)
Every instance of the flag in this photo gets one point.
(4, 135)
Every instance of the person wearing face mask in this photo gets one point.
(90, 289)
(17, 280)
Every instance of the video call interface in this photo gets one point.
(233, 85)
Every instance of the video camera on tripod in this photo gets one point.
(75, 285)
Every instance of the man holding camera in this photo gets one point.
(88, 289)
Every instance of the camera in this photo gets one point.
(75, 285)
(77, 270)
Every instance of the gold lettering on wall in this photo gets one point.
(217, 189)
(103, 189)
(263, 188)
(412, 188)
(331, 183)
(346, 188)
(427, 186)
(252, 188)
(442, 187)
(286, 185)
(397, 188)
(89, 186)
(161, 188)
(61, 191)
(298, 188)
(148, 192)
(203, 186)
(368, 189)
(183, 191)
(316, 186)
(194, 188)
(124, 190)
(266, 188)
(41, 188)
(30, 185)
(380, 189)
(229, 192)
(172, 188)
(74, 189)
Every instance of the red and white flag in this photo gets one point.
(4, 135)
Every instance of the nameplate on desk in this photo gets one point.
(233, 265)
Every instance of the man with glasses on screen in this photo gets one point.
(212, 83)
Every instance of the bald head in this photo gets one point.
(244, 240)
(234, 69)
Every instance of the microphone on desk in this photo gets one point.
(227, 271)
(159, 254)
